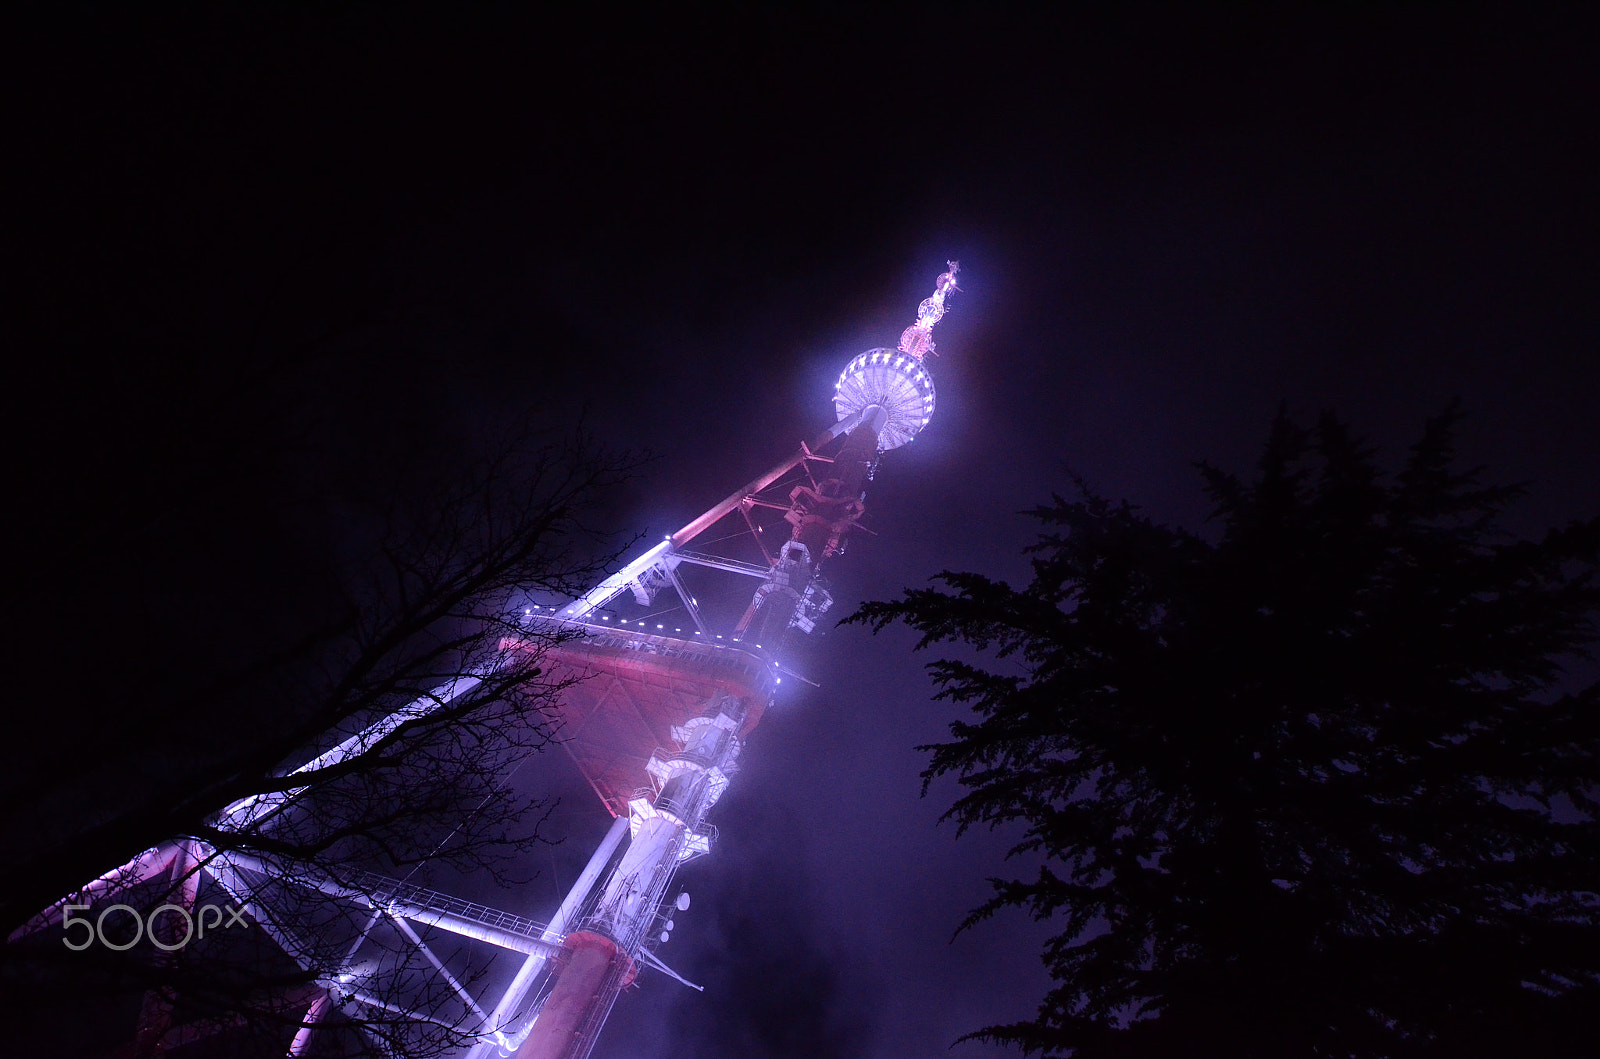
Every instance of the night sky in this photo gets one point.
(263, 249)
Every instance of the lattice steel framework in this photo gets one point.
(656, 725)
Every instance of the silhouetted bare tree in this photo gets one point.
(378, 743)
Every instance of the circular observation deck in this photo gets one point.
(898, 383)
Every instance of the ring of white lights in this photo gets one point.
(900, 384)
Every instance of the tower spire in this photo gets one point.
(917, 339)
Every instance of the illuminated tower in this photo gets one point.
(656, 724)
(882, 400)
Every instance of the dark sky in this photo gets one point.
(374, 226)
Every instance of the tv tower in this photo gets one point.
(882, 400)
(655, 719)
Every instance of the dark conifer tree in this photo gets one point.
(1320, 784)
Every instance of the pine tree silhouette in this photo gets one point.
(1319, 788)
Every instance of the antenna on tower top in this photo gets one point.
(917, 339)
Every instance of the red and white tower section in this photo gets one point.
(882, 399)
(670, 692)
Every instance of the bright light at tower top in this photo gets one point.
(917, 340)
(896, 381)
